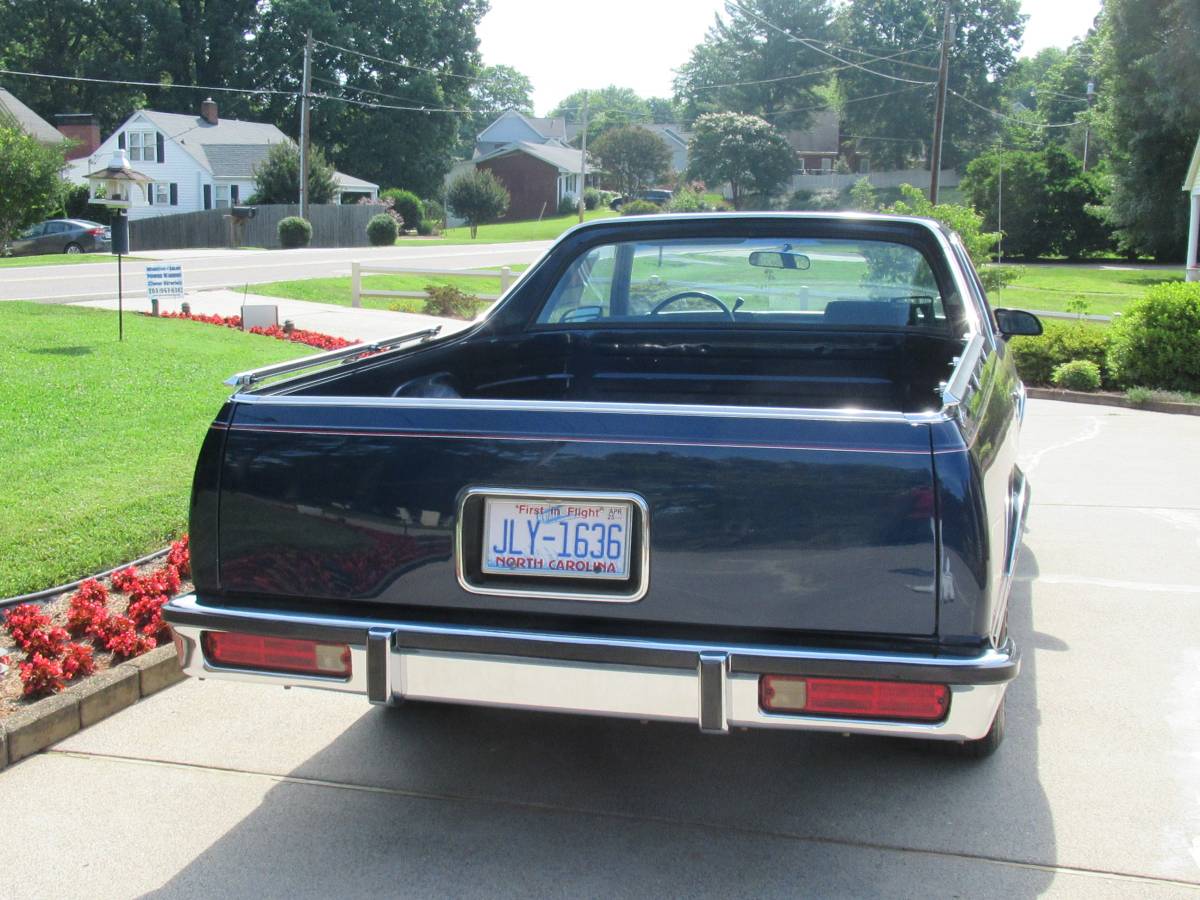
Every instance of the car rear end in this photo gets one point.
(726, 566)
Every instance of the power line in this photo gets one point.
(392, 62)
(812, 45)
(363, 90)
(150, 84)
(902, 90)
(1017, 119)
(807, 74)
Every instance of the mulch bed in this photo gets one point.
(109, 621)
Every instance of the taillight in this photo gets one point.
(96, 232)
(856, 698)
(272, 654)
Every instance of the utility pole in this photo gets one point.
(583, 156)
(939, 114)
(305, 125)
(1087, 133)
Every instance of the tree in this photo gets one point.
(742, 150)
(608, 108)
(1149, 118)
(277, 177)
(635, 157)
(763, 57)
(32, 177)
(478, 197)
(962, 219)
(888, 98)
(1050, 205)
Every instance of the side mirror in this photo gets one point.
(1013, 322)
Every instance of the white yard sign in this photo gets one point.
(164, 281)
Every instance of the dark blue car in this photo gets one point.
(734, 470)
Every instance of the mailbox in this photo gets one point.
(244, 212)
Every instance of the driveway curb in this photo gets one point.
(1163, 406)
(51, 720)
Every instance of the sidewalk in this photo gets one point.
(343, 321)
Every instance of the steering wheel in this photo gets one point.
(683, 295)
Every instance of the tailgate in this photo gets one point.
(755, 519)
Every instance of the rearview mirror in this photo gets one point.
(1013, 322)
(777, 259)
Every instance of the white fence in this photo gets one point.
(357, 269)
(822, 181)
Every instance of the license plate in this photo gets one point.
(563, 539)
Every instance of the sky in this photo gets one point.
(563, 45)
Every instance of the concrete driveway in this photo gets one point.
(213, 789)
(204, 269)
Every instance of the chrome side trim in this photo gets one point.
(640, 587)
(582, 406)
(249, 377)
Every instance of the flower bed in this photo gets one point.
(90, 630)
(296, 335)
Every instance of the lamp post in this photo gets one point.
(113, 187)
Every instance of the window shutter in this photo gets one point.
(174, 194)
(121, 140)
(159, 141)
(150, 194)
(208, 196)
(233, 195)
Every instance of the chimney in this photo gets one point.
(208, 111)
(83, 128)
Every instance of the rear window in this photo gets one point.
(750, 281)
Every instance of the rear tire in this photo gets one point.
(72, 248)
(985, 746)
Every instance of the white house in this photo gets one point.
(514, 127)
(195, 162)
(1191, 184)
(676, 140)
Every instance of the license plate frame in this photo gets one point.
(481, 507)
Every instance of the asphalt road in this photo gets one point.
(214, 789)
(203, 269)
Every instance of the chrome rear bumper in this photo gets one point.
(712, 685)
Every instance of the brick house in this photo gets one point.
(538, 176)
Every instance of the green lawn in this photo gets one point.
(506, 232)
(99, 438)
(58, 259)
(1105, 290)
(337, 290)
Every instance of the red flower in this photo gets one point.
(48, 642)
(23, 621)
(41, 676)
(123, 640)
(180, 557)
(125, 580)
(77, 660)
(88, 606)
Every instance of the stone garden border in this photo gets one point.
(1099, 399)
(59, 716)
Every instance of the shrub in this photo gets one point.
(479, 197)
(591, 198)
(448, 301)
(687, 201)
(1156, 343)
(1139, 396)
(427, 227)
(1037, 357)
(816, 201)
(294, 232)
(381, 230)
(1077, 375)
(639, 208)
(434, 212)
(407, 204)
(568, 205)
(863, 196)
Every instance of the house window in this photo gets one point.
(162, 193)
(222, 193)
(141, 146)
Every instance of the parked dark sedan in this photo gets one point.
(62, 236)
(656, 196)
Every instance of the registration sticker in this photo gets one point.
(564, 539)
